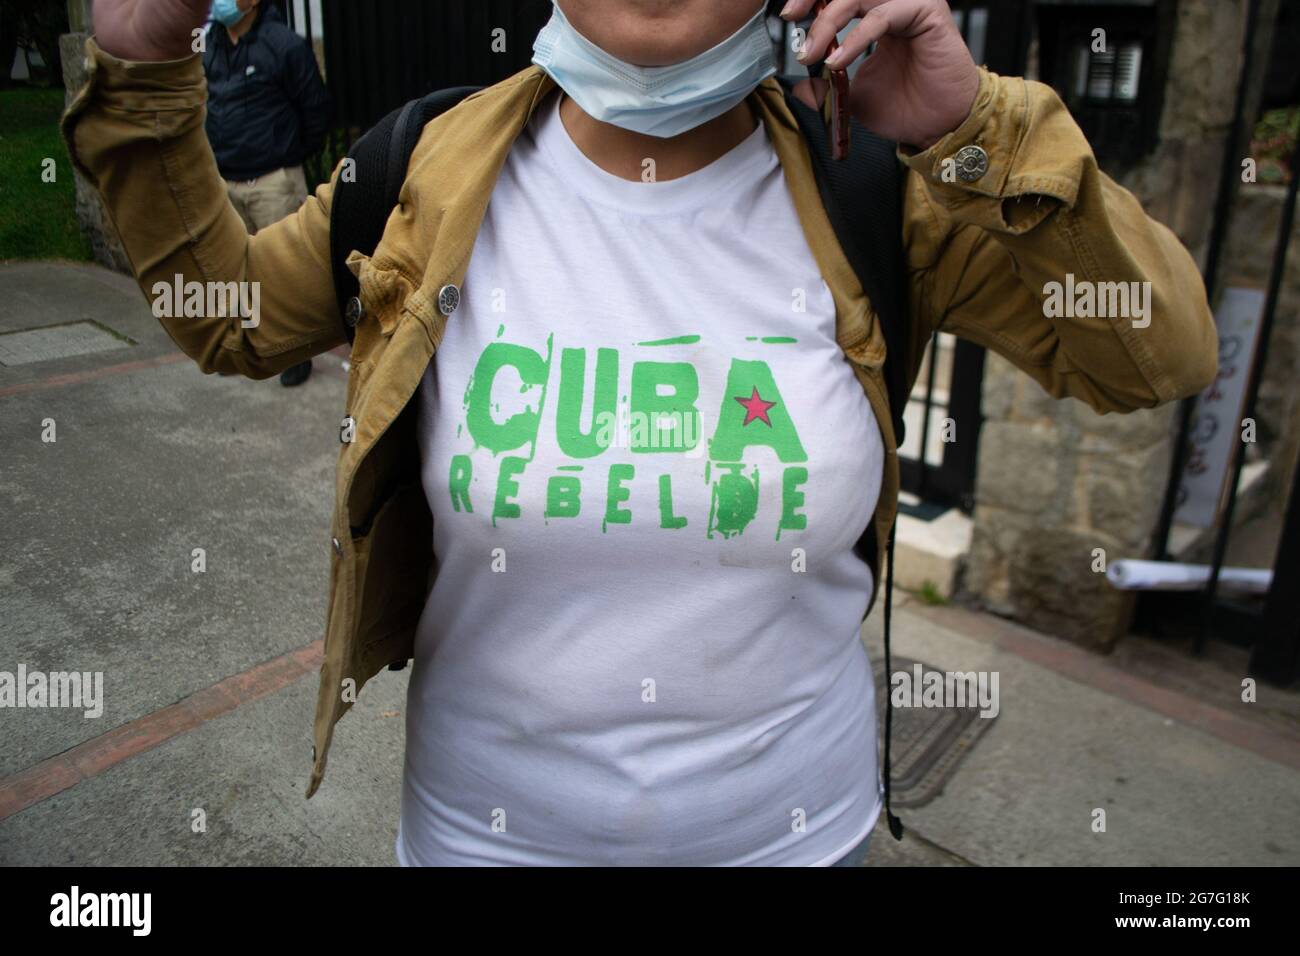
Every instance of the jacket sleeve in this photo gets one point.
(984, 256)
(136, 132)
(306, 90)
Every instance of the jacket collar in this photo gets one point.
(488, 123)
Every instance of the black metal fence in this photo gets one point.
(1116, 96)
(1117, 99)
(1268, 626)
(379, 54)
(941, 473)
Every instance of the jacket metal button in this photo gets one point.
(338, 547)
(448, 299)
(972, 163)
(354, 312)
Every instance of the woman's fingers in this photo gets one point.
(890, 18)
(879, 18)
(797, 10)
(829, 22)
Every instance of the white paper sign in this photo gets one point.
(1216, 422)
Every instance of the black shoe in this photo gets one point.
(292, 377)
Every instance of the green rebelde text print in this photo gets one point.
(667, 411)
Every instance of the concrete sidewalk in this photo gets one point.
(1184, 778)
(210, 679)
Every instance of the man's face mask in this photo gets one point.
(227, 12)
(659, 101)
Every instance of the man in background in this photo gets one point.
(267, 112)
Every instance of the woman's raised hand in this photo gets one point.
(921, 82)
(149, 29)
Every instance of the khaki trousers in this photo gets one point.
(268, 198)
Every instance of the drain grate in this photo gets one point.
(57, 342)
(929, 742)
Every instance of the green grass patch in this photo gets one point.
(38, 219)
(930, 594)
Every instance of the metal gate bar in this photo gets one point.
(1213, 258)
(1238, 458)
(1273, 630)
(1276, 656)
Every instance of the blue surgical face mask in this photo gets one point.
(656, 100)
(227, 12)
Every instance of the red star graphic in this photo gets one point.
(756, 409)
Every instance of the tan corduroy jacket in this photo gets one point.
(979, 254)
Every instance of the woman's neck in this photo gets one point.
(624, 153)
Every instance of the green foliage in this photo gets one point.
(929, 593)
(37, 219)
(1273, 143)
(320, 168)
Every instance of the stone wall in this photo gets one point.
(1055, 479)
(1178, 183)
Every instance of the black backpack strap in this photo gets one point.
(863, 196)
(364, 201)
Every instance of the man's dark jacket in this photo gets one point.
(267, 105)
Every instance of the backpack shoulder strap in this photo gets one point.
(365, 199)
(863, 196)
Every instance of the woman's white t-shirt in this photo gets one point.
(648, 462)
